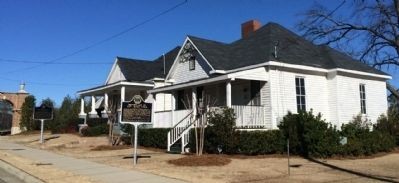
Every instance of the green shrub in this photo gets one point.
(98, 130)
(310, 135)
(389, 124)
(363, 141)
(96, 127)
(260, 142)
(220, 131)
(148, 137)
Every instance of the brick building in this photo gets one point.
(10, 110)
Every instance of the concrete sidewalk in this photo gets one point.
(96, 171)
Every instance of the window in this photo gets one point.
(191, 63)
(362, 91)
(300, 94)
(255, 93)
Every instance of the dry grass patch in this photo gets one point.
(108, 147)
(204, 160)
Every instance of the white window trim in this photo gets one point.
(365, 99)
(306, 98)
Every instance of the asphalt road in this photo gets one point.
(6, 177)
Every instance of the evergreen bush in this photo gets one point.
(310, 135)
(363, 141)
(148, 137)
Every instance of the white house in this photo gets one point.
(129, 77)
(262, 76)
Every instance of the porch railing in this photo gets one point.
(180, 131)
(249, 116)
(180, 114)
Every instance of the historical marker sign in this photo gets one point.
(136, 110)
(43, 112)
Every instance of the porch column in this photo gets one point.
(194, 100)
(228, 94)
(93, 105)
(173, 107)
(122, 94)
(106, 102)
(82, 107)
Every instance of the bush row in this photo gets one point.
(96, 127)
(308, 134)
(149, 137)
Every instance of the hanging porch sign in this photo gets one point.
(136, 112)
(42, 113)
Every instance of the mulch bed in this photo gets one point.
(204, 160)
(108, 147)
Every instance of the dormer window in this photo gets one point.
(191, 63)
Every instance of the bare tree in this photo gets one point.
(112, 113)
(199, 120)
(203, 107)
(372, 22)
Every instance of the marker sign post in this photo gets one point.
(136, 112)
(42, 113)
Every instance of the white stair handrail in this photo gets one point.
(178, 130)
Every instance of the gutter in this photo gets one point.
(301, 67)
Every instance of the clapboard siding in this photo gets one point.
(163, 100)
(349, 98)
(181, 73)
(333, 98)
(266, 102)
(116, 75)
(252, 74)
(336, 95)
(283, 93)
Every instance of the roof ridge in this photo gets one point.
(206, 39)
(131, 59)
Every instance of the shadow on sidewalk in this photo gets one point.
(374, 177)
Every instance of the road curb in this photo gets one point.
(26, 177)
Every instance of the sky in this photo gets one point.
(44, 30)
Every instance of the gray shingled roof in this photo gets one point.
(142, 70)
(258, 48)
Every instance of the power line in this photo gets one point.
(329, 14)
(45, 83)
(103, 40)
(58, 63)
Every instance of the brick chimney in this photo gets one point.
(249, 27)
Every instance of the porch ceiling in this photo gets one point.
(115, 87)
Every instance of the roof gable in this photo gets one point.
(201, 61)
(143, 70)
(115, 74)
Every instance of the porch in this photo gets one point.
(245, 97)
(106, 99)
